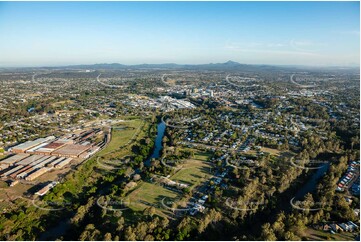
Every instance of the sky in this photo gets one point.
(275, 33)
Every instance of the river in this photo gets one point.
(158, 146)
(311, 184)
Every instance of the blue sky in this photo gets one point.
(61, 33)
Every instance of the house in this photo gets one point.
(352, 226)
(326, 227)
(335, 227)
(356, 211)
(348, 200)
(201, 201)
(344, 227)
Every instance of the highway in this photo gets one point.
(302, 86)
(107, 85)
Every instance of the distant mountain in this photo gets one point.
(229, 65)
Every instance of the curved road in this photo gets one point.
(303, 86)
(107, 85)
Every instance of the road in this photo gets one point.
(162, 79)
(180, 122)
(107, 85)
(302, 86)
(229, 82)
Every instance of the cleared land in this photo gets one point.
(122, 136)
(313, 234)
(194, 172)
(148, 194)
(271, 151)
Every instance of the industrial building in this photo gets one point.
(34, 158)
(29, 160)
(42, 162)
(49, 148)
(22, 148)
(63, 163)
(72, 151)
(11, 171)
(37, 173)
(55, 161)
(32, 150)
(45, 189)
(12, 159)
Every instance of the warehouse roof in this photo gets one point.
(14, 158)
(54, 145)
(29, 144)
(72, 150)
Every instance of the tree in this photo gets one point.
(267, 233)
(291, 236)
(149, 237)
(120, 224)
(129, 234)
(149, 211)
(164, 223)
(108, 237)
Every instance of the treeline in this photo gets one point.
(332, 207)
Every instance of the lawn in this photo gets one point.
(313, 234)
(271, 151)
(193, 172)
(148, 194)
(123, 137)
(203, 156)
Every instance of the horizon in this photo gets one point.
(51, 34)
(180, 64)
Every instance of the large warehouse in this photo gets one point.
(22, 148)
(49, 148)
(34, 158)
(15, 158)
(71, 150)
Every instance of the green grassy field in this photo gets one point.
(271, 151)
(203, 156)
(193, 172)
(122, 137)
(148, 194)
(313, 234)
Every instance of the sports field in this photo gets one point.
(148, 194)
(194, 172)
(122, 136)
(271, 151)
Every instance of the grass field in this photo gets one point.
(123, 137)
(194, 172)
(271, 151)
(203, 156)
(313, 234)
(148, 194)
